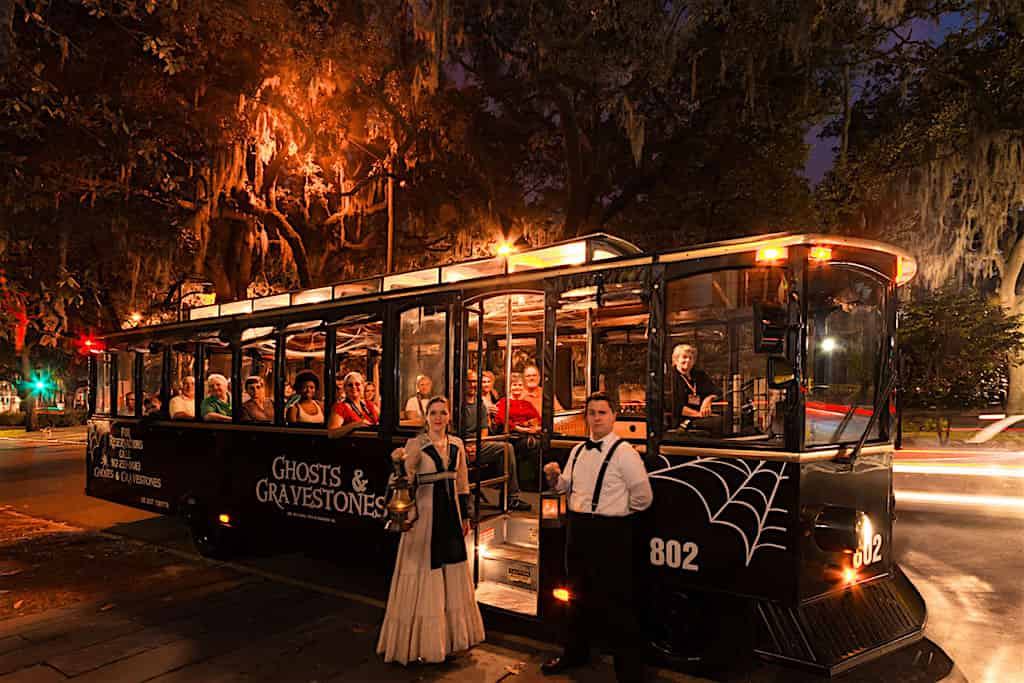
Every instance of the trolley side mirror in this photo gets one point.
(780, 372)
(770, 326)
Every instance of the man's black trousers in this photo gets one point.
(599, 560)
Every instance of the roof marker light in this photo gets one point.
(906, 269)
(820, 254)
(772, 254)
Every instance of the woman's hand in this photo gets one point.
(398, 455)
(705, 407)
(465, 527)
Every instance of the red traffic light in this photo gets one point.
(87, 343)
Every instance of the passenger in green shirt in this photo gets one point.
(216, 407)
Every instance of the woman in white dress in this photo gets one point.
(432, 611)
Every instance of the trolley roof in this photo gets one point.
(597, 251)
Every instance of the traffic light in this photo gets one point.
(87, 344)
(40, 383)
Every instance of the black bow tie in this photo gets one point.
(588, 445)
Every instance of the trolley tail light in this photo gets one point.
(224, 519)
(770, 255)
(849, 575)
(562, 594)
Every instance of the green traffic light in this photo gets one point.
(40, 385)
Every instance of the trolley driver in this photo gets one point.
(606, 483)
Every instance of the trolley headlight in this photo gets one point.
(840, 529)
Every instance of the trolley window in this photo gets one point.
(304, 376)
(126, 383)
(152, 381)
(216, 403)
(423, 343)
(716, 386)
(601, 345)
(103, 383)
(258, 378)
(357, 359)
(182, 404)
(845, 340)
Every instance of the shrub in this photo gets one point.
(12, 419)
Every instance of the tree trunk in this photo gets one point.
(1012, 303)
(1015, 392)
(31, 422)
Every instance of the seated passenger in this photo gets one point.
(307, 410)
(518, 418)
(259, 408)
(183, 405)
(151, 406)
(532, 391)
(693, 392)
(490, 395)
(129, 402)
(353, 411)
(216, 407)
(416, 406)
(491, 452)
(516, 415)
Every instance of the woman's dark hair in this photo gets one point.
(302, 378)
(431, 402)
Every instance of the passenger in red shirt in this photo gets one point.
(516, 415)
(352, 412)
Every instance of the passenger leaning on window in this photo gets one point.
(353, 411)
(693, 393)
(307, 410)
(216, 407)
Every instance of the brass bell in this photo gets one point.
(401, 506)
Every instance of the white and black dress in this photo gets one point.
(432, 610)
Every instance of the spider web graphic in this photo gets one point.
(736, 494)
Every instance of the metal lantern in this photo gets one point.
(401, 505)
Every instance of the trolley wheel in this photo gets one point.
(211, 540)
(674, 628)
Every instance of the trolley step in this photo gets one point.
(512, 565)
(840, 631)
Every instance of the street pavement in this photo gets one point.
(301, 617)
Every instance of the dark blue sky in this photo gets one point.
(821, 155)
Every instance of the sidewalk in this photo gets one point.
(85, 606)
(64, 435)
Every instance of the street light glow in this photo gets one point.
(828, 344)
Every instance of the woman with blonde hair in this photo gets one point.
(432, 611)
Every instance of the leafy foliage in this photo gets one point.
(957, 348)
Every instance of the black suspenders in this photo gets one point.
(596, 497)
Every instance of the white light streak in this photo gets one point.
(961, 500)
(961, 470)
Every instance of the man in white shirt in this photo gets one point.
(606, 483)
(416, 406)
(183, 406)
